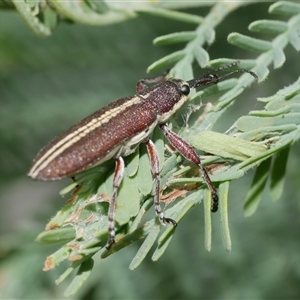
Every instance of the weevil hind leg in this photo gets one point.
(154, 161)
(118, 176)
(142, 84)
(190, 154)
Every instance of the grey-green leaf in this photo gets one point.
(225, 145)
(175, 38)
(54, 236)
(268, 26)
(82, 275)
(128, 200)
(145, 248)
(207, 220)
(133, 163)
(294, 38)
(248, 43)
(171, 14)
(255, 192)
(29, 17)
(285, 8)
(278, 173)
(223, 199)
(247, 123)
(201, 56)
(278, 57)
(144, 175)
(166, 61)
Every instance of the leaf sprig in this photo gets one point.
(254, 140)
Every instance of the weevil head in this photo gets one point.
(170, 95)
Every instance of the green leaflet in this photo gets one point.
(128, 200)
(284, 8)
(82, 275)
(54, 236)
(56, 258)
(177, 212)
(166, 61)
(223, 196)
(243, 63)
(278, 173)
(162, 247)
(175, 38)
(99, 6)
(82, 13)
(145, 248)
(137, 219)
(247, 123)
(30, 18)
(248, 43)
(144, 174)
(278, 57)
(257, 187)
(130, 238)
(207, 220)
(201, 56)
(226, 146)
(171, 14)
(268, 26)
(132, 163)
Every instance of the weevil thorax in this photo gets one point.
(169, 96)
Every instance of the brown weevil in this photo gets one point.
(117, 130)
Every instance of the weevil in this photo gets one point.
(118, 129)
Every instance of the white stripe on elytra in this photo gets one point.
(78, 134)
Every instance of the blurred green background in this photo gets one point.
(47, 84)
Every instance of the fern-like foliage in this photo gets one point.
(254, 140)
(43, 16)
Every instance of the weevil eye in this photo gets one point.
(185, 89)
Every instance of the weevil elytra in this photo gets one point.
(117, 130)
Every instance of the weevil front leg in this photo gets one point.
(154, 161)
(118, 176)
(142, 84)
(190, 154)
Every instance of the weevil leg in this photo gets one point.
(118, 176)
(142, 84)
(190, 154)
(154, 161)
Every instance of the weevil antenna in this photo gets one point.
(238, 71)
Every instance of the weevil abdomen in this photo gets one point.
(113, 130)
